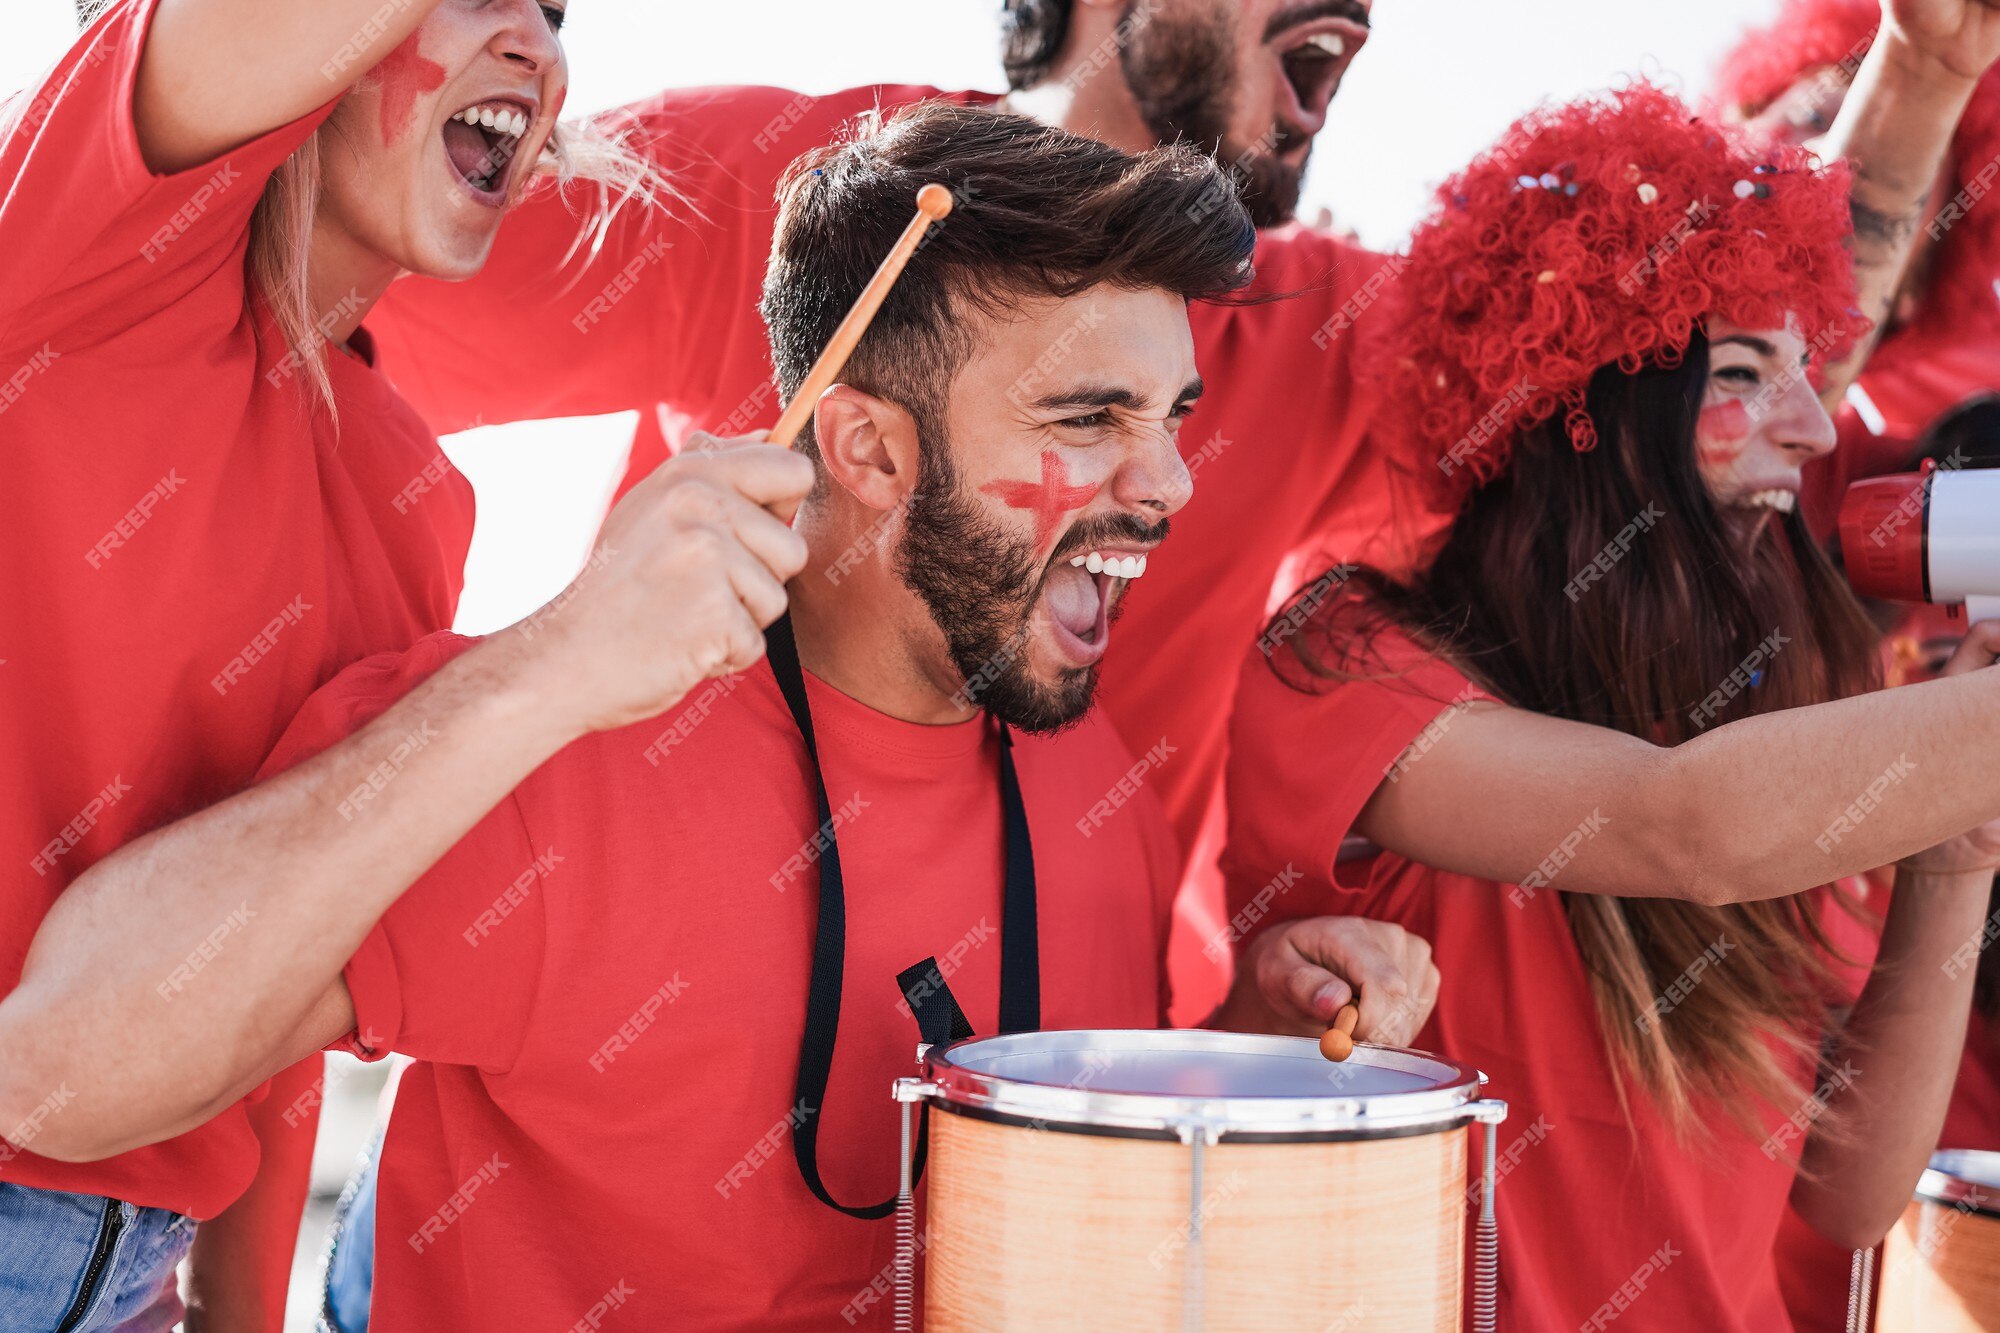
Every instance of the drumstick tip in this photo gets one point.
(1338, 1041)
(934, 202)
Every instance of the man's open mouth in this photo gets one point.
(481, 142)
(1080, 591)
(1315, 57)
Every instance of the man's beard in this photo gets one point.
(1180, 71)
(983, 589)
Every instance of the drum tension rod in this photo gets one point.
(908, 1091)
(1198, 1136)
(1489, 1112)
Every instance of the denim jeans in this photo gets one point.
(77, 1263)
(350, 1261)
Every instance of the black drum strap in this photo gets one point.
(923, 987)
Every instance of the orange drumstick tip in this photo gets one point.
(934, 202)
(1338, 1042)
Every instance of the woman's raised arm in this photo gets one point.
(219, 73)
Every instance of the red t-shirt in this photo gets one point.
(605, 985)
(666, 318)
(192, 548)
(1592, 1206)
(1973, 1119)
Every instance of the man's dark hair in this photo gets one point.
(1031, 37)
(1039, 212)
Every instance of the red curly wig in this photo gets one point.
(1807, 36)
(1814, 35)
(1602, 232)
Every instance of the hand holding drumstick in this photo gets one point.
(1295, 976)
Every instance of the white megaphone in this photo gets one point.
(1929, 536)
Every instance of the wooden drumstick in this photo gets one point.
(1338, 1043)
(933, 203)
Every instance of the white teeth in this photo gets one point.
(1781, 500)
(502, 120)
(1118, 567)
(1331, 43)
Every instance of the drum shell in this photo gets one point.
(1940, 1272)
(1035, 1229)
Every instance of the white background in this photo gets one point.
(1437, 82)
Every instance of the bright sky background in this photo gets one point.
(1438, 81)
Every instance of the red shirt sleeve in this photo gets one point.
(450, 972)
(95, 241)
(1305, 762)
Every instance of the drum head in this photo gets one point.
(1161, 1084)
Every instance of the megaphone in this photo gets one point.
(1929, 536)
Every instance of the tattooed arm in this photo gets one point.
(1895, 128)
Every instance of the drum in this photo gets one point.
(1941, 1264)
(1195, 1180)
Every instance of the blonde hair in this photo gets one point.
(597, 149)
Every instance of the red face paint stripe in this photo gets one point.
(404, 76)
(1722, 429)
(1048, 499)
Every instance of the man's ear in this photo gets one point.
(868, 446)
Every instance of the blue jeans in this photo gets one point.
(77, 1263)
(350, 1262)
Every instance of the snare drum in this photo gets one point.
(1941, 1265)
(1193, 1179)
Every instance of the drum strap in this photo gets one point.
(1020, 953)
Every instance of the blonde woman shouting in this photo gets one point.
(219, 501)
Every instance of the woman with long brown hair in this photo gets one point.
(1619, 725)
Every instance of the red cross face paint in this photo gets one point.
(1722, 433)
(404, 76)
(1048, 500)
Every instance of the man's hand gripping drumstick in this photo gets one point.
(1305, 977)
